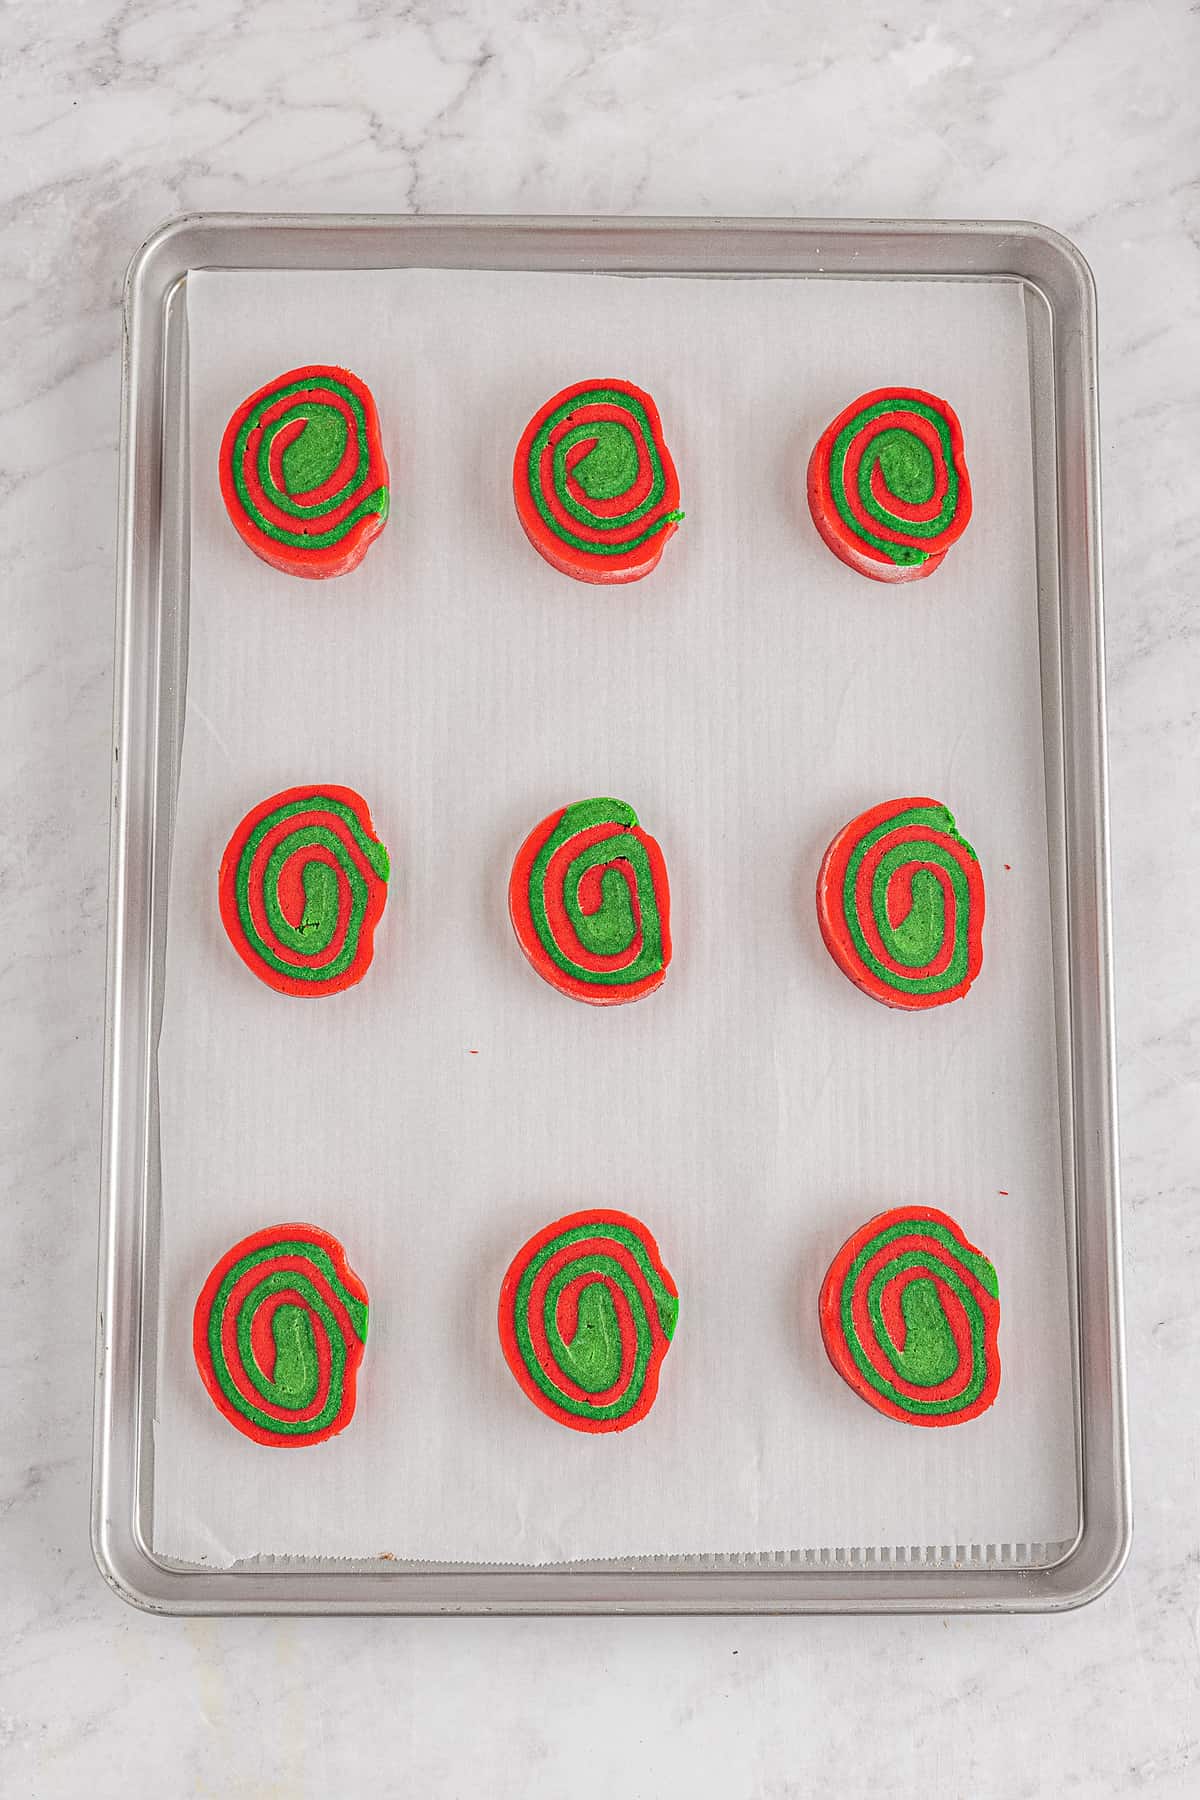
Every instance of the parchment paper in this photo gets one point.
(747, 699)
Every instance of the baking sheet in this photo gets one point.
(747, 699)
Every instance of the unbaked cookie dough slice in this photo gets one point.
(594, 484)
(301, 888)
(278, 1335)
(303, 473)
(900, 904)
(910, 1312)
(590, 904)
(587, 1314)
(888, 487)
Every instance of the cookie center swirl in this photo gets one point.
(905, 466)
(313, 445)
(291, 1369)
(606, 462)
(927, 1354)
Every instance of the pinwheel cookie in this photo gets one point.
(887, 484)
(587, 1313)
(278, 1335)
(900, 904)
(302, 886)
(303, 473)
(594, 484)
(590, 905)
(909, 1315)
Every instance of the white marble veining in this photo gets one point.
(116, 115)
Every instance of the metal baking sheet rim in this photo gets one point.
(153, 479)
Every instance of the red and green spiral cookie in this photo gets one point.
(587, 1313)
(278, 1335)
(909, 1315)
(900, 904)
(595, 487)
(303, 473)
(887, 484)
(302, 885)
(590, 905)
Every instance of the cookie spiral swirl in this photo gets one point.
(278, 1335)
(303, 473)
(302, 886)
(910, 1312)
(595, 488)
(587, 1313)
(590, 904)
(888, 487)
(900, 903)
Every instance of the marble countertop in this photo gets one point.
(119, 113)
